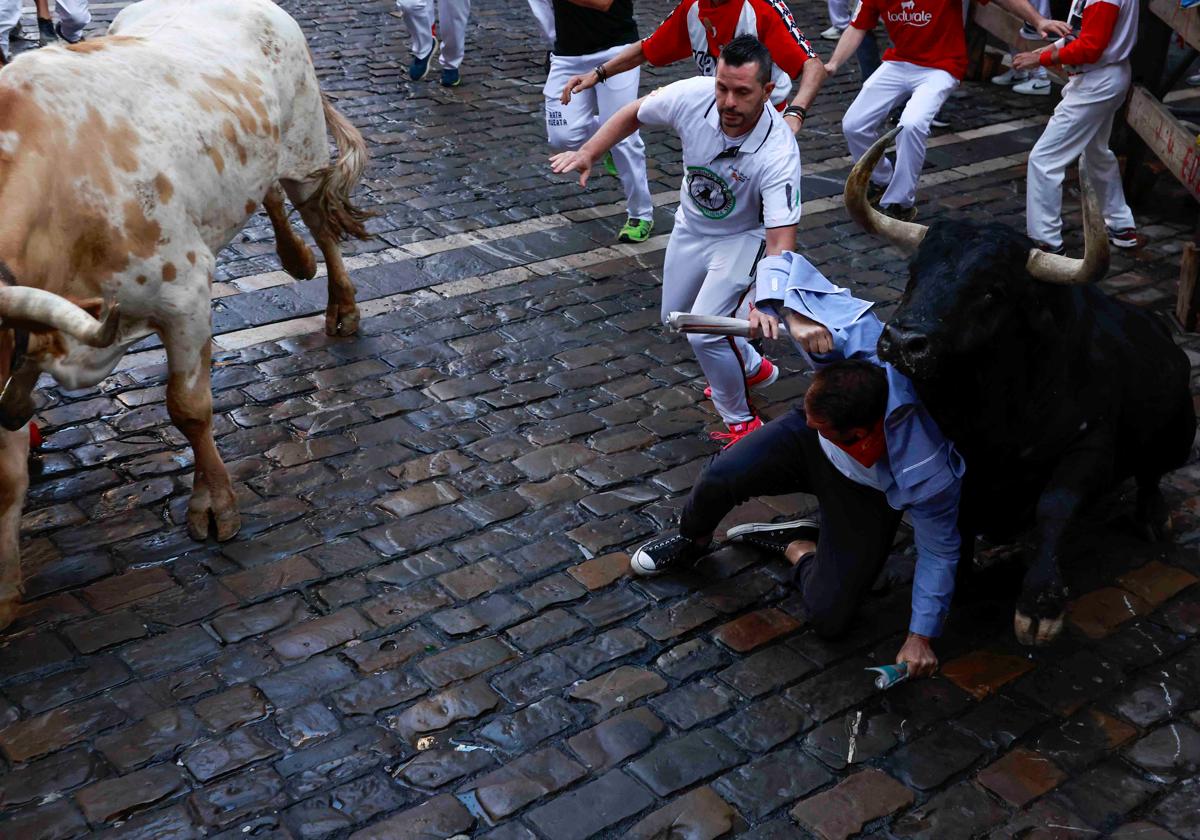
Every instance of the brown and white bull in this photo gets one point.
(126, 163)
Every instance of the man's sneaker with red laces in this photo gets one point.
(1125, 238)
(766, 375)
(666, 554)
(737, 431)
(775, 536)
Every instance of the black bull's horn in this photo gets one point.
(907, 236)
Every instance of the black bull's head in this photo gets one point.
(24, 310)
(965, 278)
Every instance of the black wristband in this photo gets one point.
(796, 111)
(601, 73)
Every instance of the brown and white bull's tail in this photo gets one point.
(331, 199)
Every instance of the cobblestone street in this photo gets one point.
(427, 627)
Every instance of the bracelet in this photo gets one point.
(796, 111)
(601, 73)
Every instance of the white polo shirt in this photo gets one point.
(730, 185)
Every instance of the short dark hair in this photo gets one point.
(850, 394)
(745, 49)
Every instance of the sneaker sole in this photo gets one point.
(1123, 244)
(1035, 92)
(766, 527)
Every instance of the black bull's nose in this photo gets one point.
(900, 344)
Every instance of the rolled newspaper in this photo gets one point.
(889, 675)
(686, 322)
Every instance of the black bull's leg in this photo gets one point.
(1081, 474)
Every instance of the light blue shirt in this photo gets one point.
(924, 470)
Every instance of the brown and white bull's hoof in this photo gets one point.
(10, 600)
(1033, 631)
(207, 508)
(341, 319)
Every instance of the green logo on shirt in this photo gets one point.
(709, 192)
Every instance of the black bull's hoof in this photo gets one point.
(1039, 616)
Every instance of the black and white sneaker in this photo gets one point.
(775, 536)
(666, 554)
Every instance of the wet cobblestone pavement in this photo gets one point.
(426, 627)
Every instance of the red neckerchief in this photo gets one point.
(869, 449)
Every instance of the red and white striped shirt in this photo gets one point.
(700, 29)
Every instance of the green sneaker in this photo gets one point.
(636, 230)
(610, 165)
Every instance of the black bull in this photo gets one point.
(1052, 391)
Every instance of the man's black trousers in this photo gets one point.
(857, 524)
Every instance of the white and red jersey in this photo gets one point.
(1105, 32)
(928, 33)
(699, 29)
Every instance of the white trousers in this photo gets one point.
(1081, 126)
(713, 275)
(10, 16)
(839, 13)
(73, 17)
(570, 126)
(925, 88)
(543, 13)
(452, 17)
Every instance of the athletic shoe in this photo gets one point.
(896, 211)
(46, 33)
(419, 67)
(1194, 79)
(936, 123)
(875, 192)
(666, 554)
(1033, 87)
(610, 165)
(451, 77)
(1029, 32)
(1126, 238)
(766, 375)
(58, 31)
(775, 536)
(1061, 250)
(636, 230)
(833, 33)
(1010, 77)
(737, 431)
(18, 33)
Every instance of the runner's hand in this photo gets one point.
(762, 324)
(810, 335)
(577, 84)
(572, 162)
(1026, 60)
(1049, 29)
(918, 653)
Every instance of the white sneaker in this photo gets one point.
(1029, 33)
(1010, 76)
(1194, 79)
(832, 33)
(936, 123)
(1033, 87)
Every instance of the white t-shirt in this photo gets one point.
(734, 189)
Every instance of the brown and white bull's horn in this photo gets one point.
(37, 306)
(1053, 268)
(904, 235)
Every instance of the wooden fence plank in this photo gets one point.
(1174, 145)
(1186, 22)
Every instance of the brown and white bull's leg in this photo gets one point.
(1082, 470)
(341, 315)
(294, 254)
(14, 481)
(189, 402)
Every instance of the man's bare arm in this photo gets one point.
(628, 58)
(619, 126)
(812, 76)
(846, 45)
(1024, 10)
